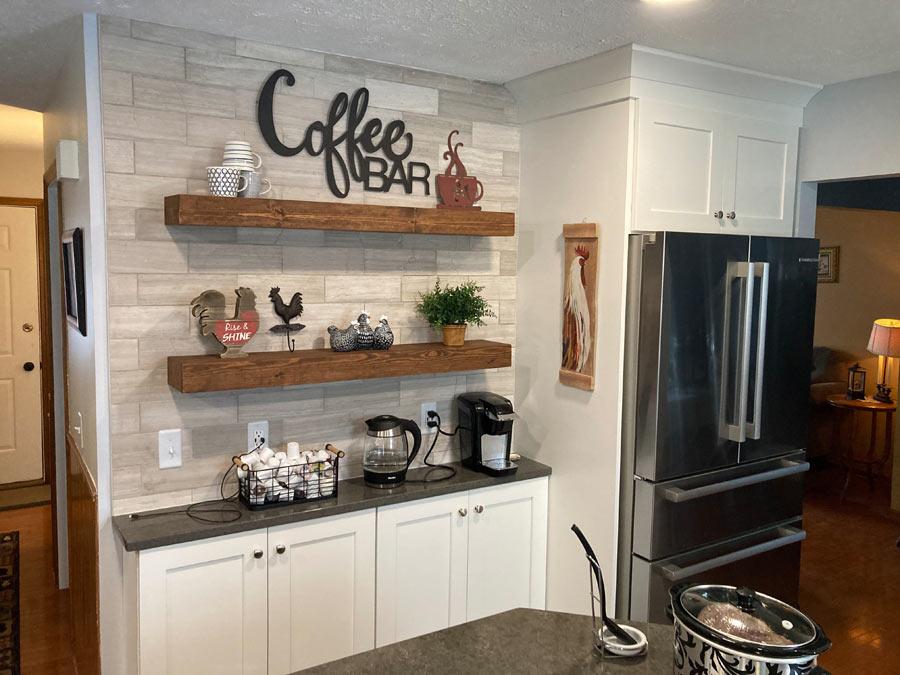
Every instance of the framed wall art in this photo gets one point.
(579, 324)
(73, 278)
(829, 264)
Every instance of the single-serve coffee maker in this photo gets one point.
(485, 432)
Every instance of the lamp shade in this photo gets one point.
(885, 337)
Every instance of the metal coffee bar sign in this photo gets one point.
(348, 145)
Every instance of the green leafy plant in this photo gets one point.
(458, 305)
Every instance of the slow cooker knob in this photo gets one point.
(746, 598)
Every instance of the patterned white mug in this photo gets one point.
(224, 181)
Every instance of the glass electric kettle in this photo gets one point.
(387, 456)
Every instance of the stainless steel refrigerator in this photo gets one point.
(718, 358)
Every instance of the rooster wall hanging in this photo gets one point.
(288, 311)
(579, 324)
(233, 333)
(455, 187)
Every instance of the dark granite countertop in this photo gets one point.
(518, 641)
(151, 529)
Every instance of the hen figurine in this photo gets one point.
(384, 336)
(343, 340)
(233, 333)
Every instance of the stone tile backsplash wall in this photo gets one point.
(171, 98)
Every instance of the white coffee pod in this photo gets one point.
(281, 456)
(266, 454)
(250, 458)
(273, 462)
(323, 456)
(293, 449)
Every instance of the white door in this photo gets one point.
(678, 168)
(421, 567)
(203, 607)
(760, 177)
(507, 548)
(21, 454)
(321, 591)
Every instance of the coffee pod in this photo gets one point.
(293, 450)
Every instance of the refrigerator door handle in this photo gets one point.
(736, 429)
(753, 428)
(787, 468)
(787, 536)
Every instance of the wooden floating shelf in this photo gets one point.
(205, 210)
(193, 374)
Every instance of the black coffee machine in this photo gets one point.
(485, 432)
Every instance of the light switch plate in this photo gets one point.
(169, 448)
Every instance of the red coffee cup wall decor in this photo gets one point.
(232, 333)
(455, 187)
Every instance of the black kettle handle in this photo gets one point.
(413, 428)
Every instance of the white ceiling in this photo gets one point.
(821, 41)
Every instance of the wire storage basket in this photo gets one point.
(292, 481)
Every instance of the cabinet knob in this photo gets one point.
(28, 366)
(258, 553)
(717, 214)
(730, 215)
(280, 549)
(463, 513)
(479, 509)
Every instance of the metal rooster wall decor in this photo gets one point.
(456, 188)
(288, 311)
(232, 333)
(579, 325)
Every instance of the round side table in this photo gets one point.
(853, 407)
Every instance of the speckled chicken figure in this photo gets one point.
(384, 336)
(365, 338)
(343, 340)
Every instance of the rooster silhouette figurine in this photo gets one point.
(287, 312)
(576, 315)
(232, 333)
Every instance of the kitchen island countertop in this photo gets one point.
(517, 641)
(164, 527)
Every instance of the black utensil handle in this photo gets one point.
(613, 627)
(413, 428)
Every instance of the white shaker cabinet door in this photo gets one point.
(678, 168)
(421, 567)
(760, 177)
(203, 607)
(507, 548)
(321, 591)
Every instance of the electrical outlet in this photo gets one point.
(169, 448)
(426, 408)
(257, 434)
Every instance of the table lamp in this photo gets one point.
(885, 342)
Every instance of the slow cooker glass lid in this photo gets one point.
(748, 617)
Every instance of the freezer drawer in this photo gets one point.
(767, 561)
(675, 516)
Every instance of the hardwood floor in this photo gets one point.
(45, 625)
(850, 573)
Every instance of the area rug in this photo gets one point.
(9, 604)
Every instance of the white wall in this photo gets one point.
(565, 179)
(74, 112)
(852, 130)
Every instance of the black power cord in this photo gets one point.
(225, 510)
(435, 467)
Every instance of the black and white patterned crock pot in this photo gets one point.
(723, 630)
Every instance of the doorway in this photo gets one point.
(850, 561)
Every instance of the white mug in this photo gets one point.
(244, 159)
(256, 185)
(224, 181)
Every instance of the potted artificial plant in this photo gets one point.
(452, 309)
